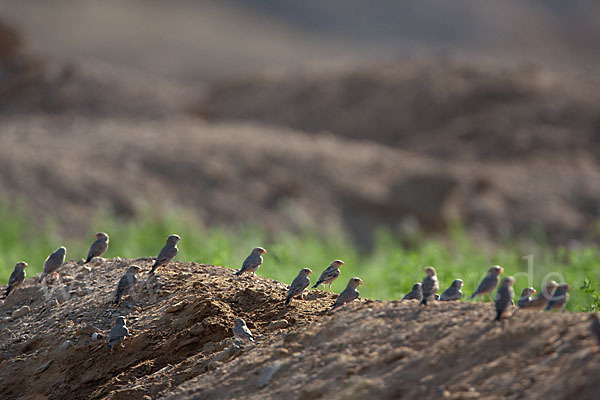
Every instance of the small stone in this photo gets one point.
(273, 325)
(21, 311)
(43, 367)
(65, 345)
(176, 307)
(197, 330)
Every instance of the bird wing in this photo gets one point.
(16, 277)
(247, 332)
(449, 294)
(125, 284)
(330, 272)
(347, 295)
(97, 248)
(429, 285)
(117, 333)
(487, 284)
(251, 262)
(413, 294)
(166, 254)
(53, 262)
(298, 285)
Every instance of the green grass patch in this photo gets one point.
(389, 270)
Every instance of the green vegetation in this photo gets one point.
(589, 288)
(388, 270)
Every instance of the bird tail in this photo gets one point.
(424, 300)
(473, 296)
(239, 272)
(498, 315)
(88, 259)
(288, 300)
(8, 289)
(117, 299)
(316, 284)
(42, 277)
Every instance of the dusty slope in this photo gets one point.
(181, 343)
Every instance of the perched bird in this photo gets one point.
(526, 297)
(348, 294)
(330, 274)
(415, 294)
(99, 246)
(595, 327)
(17, 277)
(541, 300)
(504, 297)
(252, 262)
(167, 253)
(53, 262)
(559, 298)
(241, 331)
(489, 283)
(126, 283)
(118, 333)
(453, 292)
(297, 287)
(430, 285)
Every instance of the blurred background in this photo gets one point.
(347, 118)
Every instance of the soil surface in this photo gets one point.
(181, 342)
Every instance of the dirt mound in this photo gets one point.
(181, 342)
(180, 321)
(445, 108)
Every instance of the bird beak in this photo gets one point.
(501, 270)
(264, 251)
(360, 282)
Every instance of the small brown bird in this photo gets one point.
(415, 294)
(453, 292)
(559, 298)
(489, 283)
(241, 331)
(126, 283)
(541, 300)
(16, 278)
(330, 274)
(526, 297)
(168, 252)
(252, 262)
(298, 286)
(430, 284)
(504, 297)
(348, 294)
(99, 246)
(595, 327)
(53, 262)
(118, 333)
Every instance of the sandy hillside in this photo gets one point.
(181, 344)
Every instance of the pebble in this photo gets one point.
(273, 325)
(21, 311)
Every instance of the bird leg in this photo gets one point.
(330, 289)
(302, 296)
